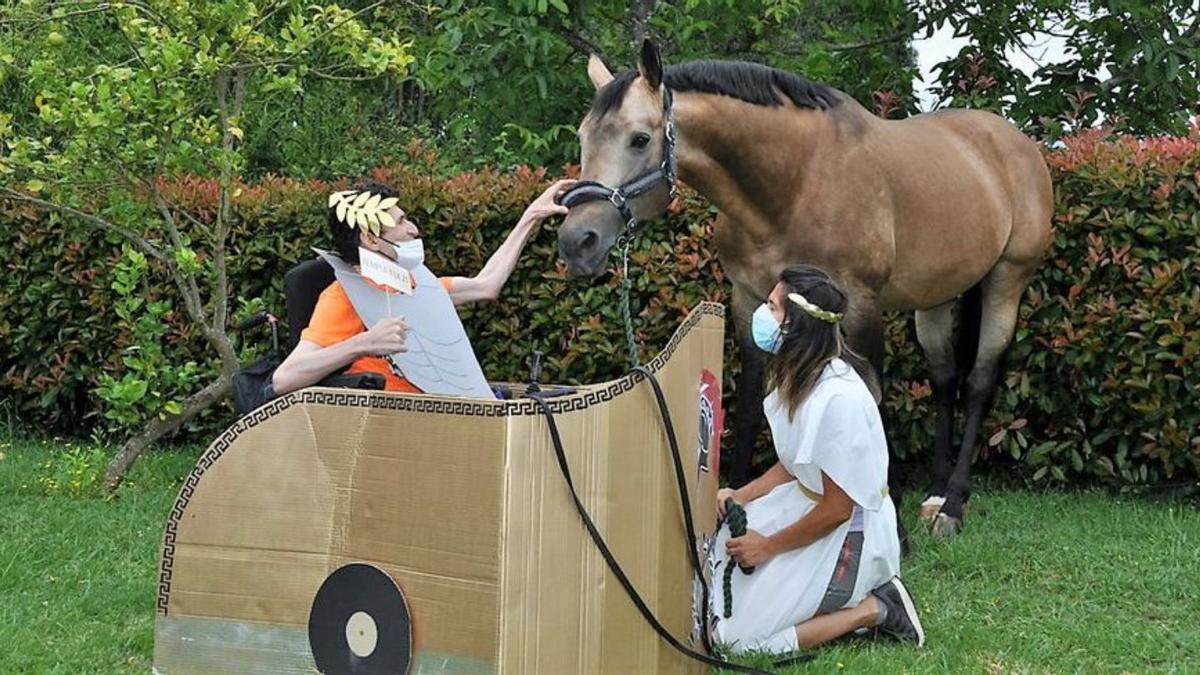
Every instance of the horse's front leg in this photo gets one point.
(863, 327)
(749, 388)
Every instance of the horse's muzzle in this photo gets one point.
(583, 252)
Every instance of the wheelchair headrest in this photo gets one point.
(302, 285)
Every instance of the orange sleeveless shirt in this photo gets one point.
(334, 320)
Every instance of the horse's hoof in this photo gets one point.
(931, 507)
(946, 526)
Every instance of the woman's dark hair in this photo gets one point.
(345, 237)
(807, 343)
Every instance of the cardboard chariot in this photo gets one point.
(434, 534)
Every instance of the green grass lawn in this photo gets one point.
(1048, 583)
(78, 575)
(1038, 582)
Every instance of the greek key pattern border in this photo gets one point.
(436, 406)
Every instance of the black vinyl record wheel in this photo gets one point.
(359, 624)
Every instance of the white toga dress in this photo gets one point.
(838, 431)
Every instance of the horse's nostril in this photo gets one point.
(589, 240)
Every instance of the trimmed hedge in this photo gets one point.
(1101, 383)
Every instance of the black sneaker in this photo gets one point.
(901, 620)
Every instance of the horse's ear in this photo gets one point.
(650, 65)
(597, 72)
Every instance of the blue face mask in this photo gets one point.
(765, 329)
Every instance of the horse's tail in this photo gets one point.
(970, 318)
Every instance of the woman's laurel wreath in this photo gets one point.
(365, 210)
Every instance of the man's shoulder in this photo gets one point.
(334, 305)
(334, 292)
(333, 318)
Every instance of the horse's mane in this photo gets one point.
(749, 82)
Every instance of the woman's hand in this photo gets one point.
(386, 337)
(750, 550)
(722, 495)
(546, 204)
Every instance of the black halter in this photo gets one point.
(591, 191)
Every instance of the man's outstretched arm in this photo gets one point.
(486, 285)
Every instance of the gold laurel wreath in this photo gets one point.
(814, 311)
(365, 210)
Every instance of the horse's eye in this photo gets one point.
(640, 140)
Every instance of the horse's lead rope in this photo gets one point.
(615, 567)
(735, 518)
(626, 311)
(602, 546)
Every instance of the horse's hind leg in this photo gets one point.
(1001, 296)
(935, 333)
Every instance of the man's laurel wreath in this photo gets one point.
(365, 210)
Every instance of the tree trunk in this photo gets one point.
(639, 23)
(215, 331)
(161, 426)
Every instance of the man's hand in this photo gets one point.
(750, 550)
(487, 283)
(387, 336)
(546, 204)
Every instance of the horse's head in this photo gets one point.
(623, 139)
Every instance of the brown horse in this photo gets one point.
(906, 215)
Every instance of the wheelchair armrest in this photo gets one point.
(370, 381)
(553, 391)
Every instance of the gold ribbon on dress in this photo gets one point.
(815, 496)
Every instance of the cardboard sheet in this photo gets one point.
(439, 358)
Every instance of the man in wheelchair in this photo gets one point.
(336, 339)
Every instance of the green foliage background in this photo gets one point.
(499, 82)
(1102, 384)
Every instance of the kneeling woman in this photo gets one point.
(821, 528)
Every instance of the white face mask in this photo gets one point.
(410, 254)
